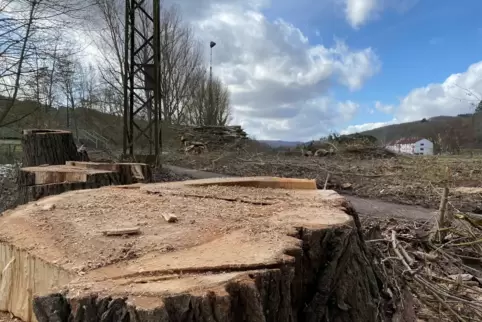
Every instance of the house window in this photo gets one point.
(421, 143)
(421, 149)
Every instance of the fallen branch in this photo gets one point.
(398, 253)
(326, 181)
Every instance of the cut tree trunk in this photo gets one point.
(41, 181)
(129, 173)
(237, 252)
(51, 147)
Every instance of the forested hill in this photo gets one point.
(464, 130)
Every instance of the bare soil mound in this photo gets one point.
(263, 250)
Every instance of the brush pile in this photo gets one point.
(212, 137)
(441, 268)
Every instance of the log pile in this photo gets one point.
(212, 137)
(242, 249)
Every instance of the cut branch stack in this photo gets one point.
(213, 137)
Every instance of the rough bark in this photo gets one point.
(51, 147)
(332, 280)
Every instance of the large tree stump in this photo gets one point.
(235, 253)
(49, 147)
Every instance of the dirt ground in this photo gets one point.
(407, 180)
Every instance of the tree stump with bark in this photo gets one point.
(240, 249)
(51, 147)
(38, 182)
(129, 173)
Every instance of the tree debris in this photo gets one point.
(122, 231)
(170, 218)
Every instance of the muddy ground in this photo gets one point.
(370, 174)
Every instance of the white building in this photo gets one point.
(415, 146)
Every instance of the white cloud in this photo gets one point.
(458, 94)
(360, 12)
(387, 109)
(280, 83)
(314, 119)
(348, 109)
(366, 127)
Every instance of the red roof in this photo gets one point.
(404, 141)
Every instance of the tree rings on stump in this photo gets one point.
(248, 249)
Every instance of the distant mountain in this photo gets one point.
(280, 143)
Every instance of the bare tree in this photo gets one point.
(110, 42)
(27, 30)
(201, 111)
(181, 59)
(181, 65)
(69, 83)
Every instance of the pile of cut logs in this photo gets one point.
(201, 138)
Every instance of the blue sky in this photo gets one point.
(422, 45)
(298, 70)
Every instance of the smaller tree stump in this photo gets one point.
(129, 173)
(41, 181)
(49, 147)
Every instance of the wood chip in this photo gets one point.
(170, 218)
(122, 231)
(48, 207)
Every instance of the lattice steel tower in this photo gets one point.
(142, 93)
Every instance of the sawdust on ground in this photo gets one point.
(218, 229)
